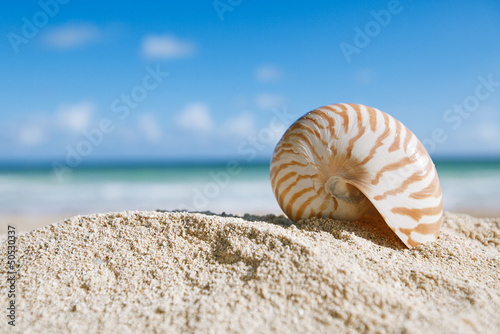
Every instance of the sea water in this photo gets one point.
(469, 186)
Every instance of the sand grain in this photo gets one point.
(183, 272)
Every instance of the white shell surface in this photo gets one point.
(368, 150)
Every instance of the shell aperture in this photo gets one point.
(352, 162)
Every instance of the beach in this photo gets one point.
(34, 197)
(179, 272)
(164, 167)
(214, 268)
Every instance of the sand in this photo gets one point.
(176, 272)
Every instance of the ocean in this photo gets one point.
(468, 186)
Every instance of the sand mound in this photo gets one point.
(182, 272)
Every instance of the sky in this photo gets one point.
(84, 81)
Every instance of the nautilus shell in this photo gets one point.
(353, 162)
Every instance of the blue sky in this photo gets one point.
(239, 73)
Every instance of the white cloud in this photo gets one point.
(75, 117)
(72, 35)
(477, 135)
(149, 126)
(488, 132)
(242, 125)
(195, 116)
(166, 47)
(269, 101)
(268, 73)
(31, 135)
